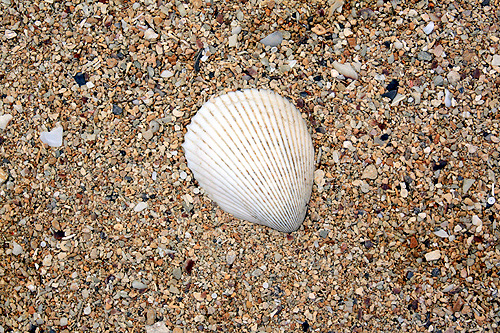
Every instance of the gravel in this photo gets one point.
(105, 230)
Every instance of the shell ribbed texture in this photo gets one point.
(251, 152)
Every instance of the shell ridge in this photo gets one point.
(281, 138)
(249, 174)
(263, 143)
(223, 157)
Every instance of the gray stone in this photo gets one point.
(136, 284)
(370, 172)
(273, 39)
(424, 56)
(324, 233)
(467, 185)
(177, 273)
(438, 81)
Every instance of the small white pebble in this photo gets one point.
(140, 206)
(428, 28)
(214, 295)
(183, 175)
(265, 285)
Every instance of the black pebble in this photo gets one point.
(80, 79)
(59, 234)
(387, 44)
(117, 110)
(320, 130)
(384, 137)
(393, 85)
(390, 94)
(435, 272)
(305, 326)
(485, 3)
(439, 165)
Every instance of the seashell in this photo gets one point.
(251, 152)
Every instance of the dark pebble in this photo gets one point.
(476, 73)
(318, 78)
(320, 130)
(393, 85)
(435, 272)
(59, 234)
(485, 3)
(189, 266)
(117, 110)
(439, 165)
(80, 79)
(387, 44)
(409, 275)
(300, 103)
(384, 137)
(368, 244)
(390, 94)
(304, 94)
(305, 326)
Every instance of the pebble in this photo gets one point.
(47, 260)
(453, 78)
(150, 34)
(441, 233)
(166, 74)
(158, 327)
(136, 284)
(496, 60)
(273, 39)
(233, 40)
(345, 69)
(63, 321)
(424, 56)
(370, 172)
(117, 110)
(4, 175)
(87, 310)
(428, 28)
(230, 257)
(5, 120)
(52, 138)
(467, 183)
(140, 206)
(433, 255)
(177, 273)
(438, 81)
(17, 249)
(9, 34)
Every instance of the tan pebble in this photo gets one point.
(459, 303)
(177, 330)
(111, 62)
(3, 176)
(468, 202)
(319, 29)
(118, 227)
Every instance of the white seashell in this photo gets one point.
(251, 152)
(53, 138)
(346, 70)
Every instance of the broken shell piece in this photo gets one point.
(5, 120)
(251, 152)
(345, 69)
(53, 138)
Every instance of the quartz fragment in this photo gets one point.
(5, 120)
(273, 39)
(52, 138)
(345, 69)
